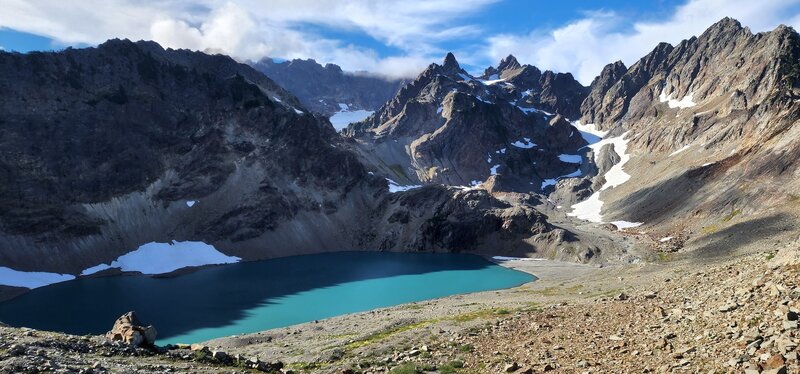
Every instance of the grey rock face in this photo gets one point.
(103, 149)
(728, 96)
(449, 127)
(322, 88)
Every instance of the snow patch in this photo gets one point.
(589, 209)
(615, 176)
(493, 170)
(161, 258)
(30, 279)
(534, 110)
(622, 225)
(491, 80)
(298, 111)
(548, 182)
(686, 102)
(572, 159)
(526, 145)
(589, 132)
(343, 107)
(665, 239)
(191, 203)
(680, 150)
(395, 187)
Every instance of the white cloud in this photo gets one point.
(584, 46)
(251, 29)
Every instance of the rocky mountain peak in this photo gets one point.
(725, 25)
(508, 63)
(450, 63)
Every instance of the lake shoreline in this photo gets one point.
(290, 291)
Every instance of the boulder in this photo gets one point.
(130, 330)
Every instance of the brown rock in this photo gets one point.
(130, 330)
(775, 362)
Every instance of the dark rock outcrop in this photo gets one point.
(105, 149)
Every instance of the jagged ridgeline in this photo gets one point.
(508, 128)
(324, 89)
(108, 148)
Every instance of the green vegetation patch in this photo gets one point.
(381, 335)
(409, 368)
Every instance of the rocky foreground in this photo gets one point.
(737, 314)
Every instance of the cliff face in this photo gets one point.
(105, 149)
(323, 88)
(102, 148)
(451, 128)
(712, 125)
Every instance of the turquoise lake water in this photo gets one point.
(253, 296)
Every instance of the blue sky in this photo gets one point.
(389, 37)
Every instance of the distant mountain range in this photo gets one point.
(105, 149)
(327, 89)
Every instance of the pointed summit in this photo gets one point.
(726, 24)
(450, 63)
(508, 63)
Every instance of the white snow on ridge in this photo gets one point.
(30, 279)
(572, 159)
(534, 110)
(686, 102)
(552, 181)
(527, 144)
(395, 187)
(680, 150)
(343, 107)
(494, 79)
(161, 258)
(615, 176)
(589, 209)
(589, 132)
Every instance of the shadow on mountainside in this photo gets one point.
(729, 240)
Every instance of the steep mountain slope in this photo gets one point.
(323, 88)
(710, 127)
(449, 127)
(107, 149)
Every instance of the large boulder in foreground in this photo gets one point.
(130, 330)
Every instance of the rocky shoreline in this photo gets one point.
(736, 314)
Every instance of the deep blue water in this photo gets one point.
(254, 296)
